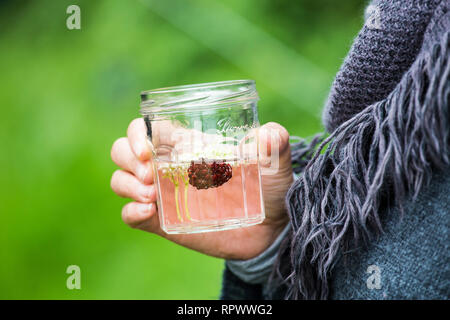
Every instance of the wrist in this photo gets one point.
(270, 231)
(256, 270)
(276, 228)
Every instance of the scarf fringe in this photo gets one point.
(372, 161)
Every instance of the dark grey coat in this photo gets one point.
(369, 217)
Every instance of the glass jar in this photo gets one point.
(204, 141)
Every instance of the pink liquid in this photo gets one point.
(186, 209)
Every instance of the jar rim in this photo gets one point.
(197, 86)
(198, 96)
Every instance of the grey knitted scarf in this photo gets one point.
(389, 112)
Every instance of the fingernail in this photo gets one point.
(142, 151)
(146, 191)
(144, 209)
(139, 148)
(142, 171)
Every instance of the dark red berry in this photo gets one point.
(206, 175)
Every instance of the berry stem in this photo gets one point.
(171, 174)
(177, 205)
(186, 185)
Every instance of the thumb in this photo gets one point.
(274, 148)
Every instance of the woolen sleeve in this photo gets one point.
(247, 279)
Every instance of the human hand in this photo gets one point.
(135, 180)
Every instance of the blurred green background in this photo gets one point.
(66, 95)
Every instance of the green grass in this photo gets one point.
(65, 96)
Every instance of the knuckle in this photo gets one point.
(126, 213)
(136, 123)
(114, 179)
(116, 146)
(148, 176)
